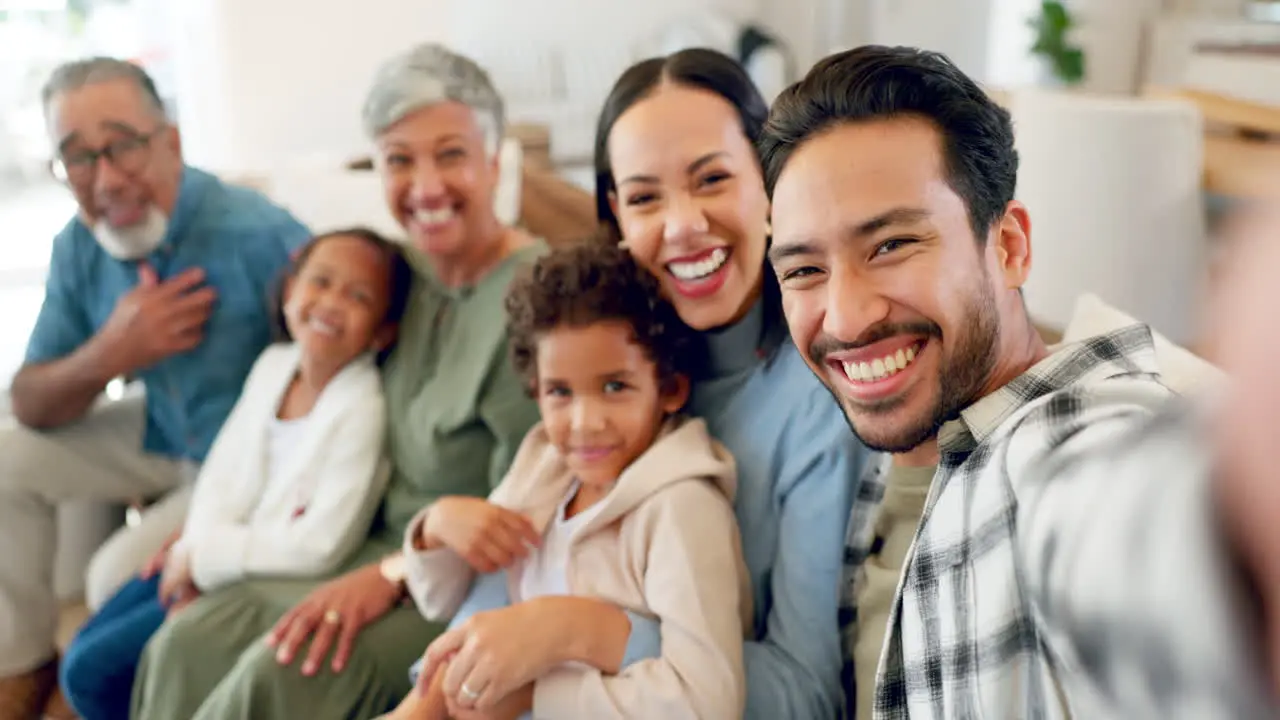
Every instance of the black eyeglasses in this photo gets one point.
(128, 155)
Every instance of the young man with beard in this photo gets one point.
(163, 275)
(1062, 558)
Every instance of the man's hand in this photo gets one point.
(157, 319)
(150, 322)
(1247, 343)
(336, 611)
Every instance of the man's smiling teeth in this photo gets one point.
(880, 368)
(700, 269)
(433, 217)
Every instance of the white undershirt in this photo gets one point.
(284, 437)
(545, 572)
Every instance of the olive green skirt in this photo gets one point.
(211, 662)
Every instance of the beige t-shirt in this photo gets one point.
(905, 493)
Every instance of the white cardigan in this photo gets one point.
(339, 458)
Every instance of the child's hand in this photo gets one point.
(177, 588)
(155, 564)
(496, 652)
(425, 702)
(433, 702)
(487, 536)
(184, 600)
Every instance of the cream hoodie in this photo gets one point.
(664, 544)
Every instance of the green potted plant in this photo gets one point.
(1052, 26)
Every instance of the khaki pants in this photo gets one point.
(97, 458)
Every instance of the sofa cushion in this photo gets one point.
(1183, 371)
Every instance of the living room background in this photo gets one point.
(265, 89)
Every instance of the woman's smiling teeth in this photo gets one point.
(880, 368)
(700, 268)
(433, 217)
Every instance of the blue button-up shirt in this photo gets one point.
(243, 243)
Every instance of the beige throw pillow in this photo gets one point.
(1183, 371)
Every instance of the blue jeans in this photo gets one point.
(97, 671)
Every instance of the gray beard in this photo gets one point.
(136, 241)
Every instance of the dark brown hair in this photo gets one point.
(875, 82)
(590, 282)
(400, 278)
(700, 69)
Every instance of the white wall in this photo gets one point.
(961, 29)
(1112, 35)
(266, 82)
(988, 39)
(799, 23)
(551, 50)
(261, 83)
(1216, 7)
(564, 22)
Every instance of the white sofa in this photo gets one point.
(1113, 186)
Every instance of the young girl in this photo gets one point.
(294, 476)
(612, 495)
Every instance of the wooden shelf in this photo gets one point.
(1242, 115)
(1241, 143)
(1238, 167)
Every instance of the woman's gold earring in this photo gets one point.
(768, 229)
(622, 244)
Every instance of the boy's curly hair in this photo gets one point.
(586, 283)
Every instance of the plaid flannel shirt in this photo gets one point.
(992, 617)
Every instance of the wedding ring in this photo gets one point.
(469, 694)
(333, 617)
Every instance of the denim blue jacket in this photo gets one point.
(243, 243)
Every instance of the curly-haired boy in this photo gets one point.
(614, 495)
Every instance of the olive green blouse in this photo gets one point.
(457, 410)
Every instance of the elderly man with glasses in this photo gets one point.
(163, 275)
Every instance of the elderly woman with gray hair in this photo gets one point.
(293, 649)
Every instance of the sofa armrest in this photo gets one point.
(554, 209)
